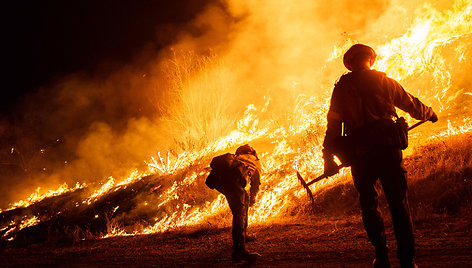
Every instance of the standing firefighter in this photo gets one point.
(361, 132)
(229, 175)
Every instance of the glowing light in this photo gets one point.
(37, 196)
(29, 222)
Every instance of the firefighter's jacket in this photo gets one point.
(253, 166)
(361, 97)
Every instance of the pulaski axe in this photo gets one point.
(306, 185)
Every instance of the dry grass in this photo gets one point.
(439, 178)
(439, 186)
(195, 99)
(440, 191)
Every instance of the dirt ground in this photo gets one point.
(312, 242)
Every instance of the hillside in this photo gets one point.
(330, 235)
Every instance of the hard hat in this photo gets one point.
(246, 149)
(355, 51)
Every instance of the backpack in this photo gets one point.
(226, 169)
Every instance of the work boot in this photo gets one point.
(245, 256)
(381, 257)
(381, 263)
(408, 264)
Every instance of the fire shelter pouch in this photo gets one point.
(383, 132)
(400, 139)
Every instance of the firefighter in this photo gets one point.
(362, 101)
(232, 184)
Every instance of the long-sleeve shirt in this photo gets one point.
(253, 165)
(361, 97)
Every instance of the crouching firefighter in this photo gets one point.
(230, 173)
(364, 132)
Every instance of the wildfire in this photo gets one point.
(296, 142)
(38, 196)
(455, 130)
(418, 53)
(292, 140)
(111, 184)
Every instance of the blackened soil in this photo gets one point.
(442, 241)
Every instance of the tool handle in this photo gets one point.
(417, 124)
(324, 176)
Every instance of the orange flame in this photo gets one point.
(291, 138)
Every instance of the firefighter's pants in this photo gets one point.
(238, 201)
(385, 164)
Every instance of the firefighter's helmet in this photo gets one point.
(355, 52)
(246, 149)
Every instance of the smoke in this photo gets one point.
(95, 123)
(92, 126)
(81, 128)
(280, 48)
(234, 53)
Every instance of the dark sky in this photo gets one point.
(45, 40)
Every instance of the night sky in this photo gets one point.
(45, 40)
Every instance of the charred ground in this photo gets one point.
(317, 241)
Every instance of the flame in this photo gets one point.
(292, 137)
(37, 196)
(296, 141)
(112, 185)
(29, 222)
(457, 129)
(418, 52)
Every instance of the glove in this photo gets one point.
(433, 118)
(330, 167)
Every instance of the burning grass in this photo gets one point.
(195, 99)
(440, 183)
(439, 177)
(201, 102)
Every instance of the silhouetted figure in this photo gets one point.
(362, 109)
(230, 174)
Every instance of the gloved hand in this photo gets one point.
(433, 118)
(330, 167)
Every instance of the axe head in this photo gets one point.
(307, 188)
(300, 178)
